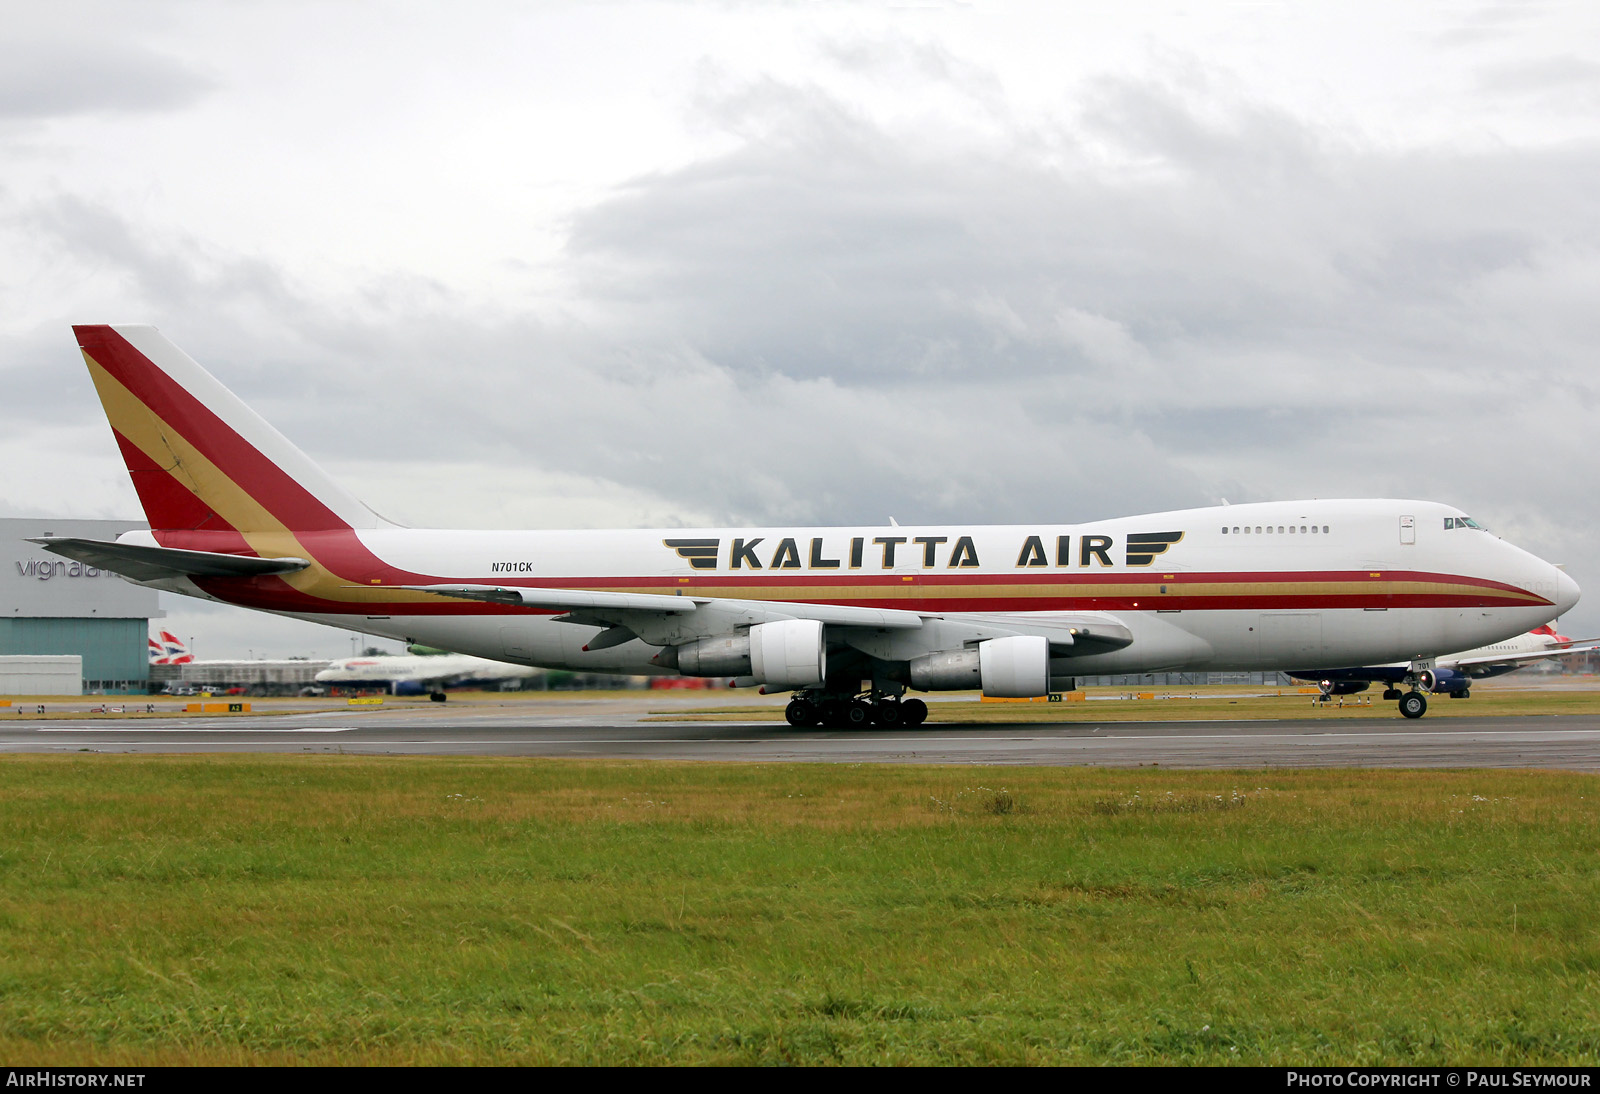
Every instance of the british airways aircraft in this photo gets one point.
(1452, 674)
(847, 619)
(418, 675)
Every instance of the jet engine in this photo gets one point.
(1005, 668)
(724, 655)
(1343, 687)
(1447, 681)
(789, 653)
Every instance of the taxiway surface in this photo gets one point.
(604, 729)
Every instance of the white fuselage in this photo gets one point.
(421, 670)
(1277, 585)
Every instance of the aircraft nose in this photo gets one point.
(1567, 592)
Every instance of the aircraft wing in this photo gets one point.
(570, 599)
(664, 620)
(604, 607)
(155, 563)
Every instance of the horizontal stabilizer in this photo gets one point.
(156, 563)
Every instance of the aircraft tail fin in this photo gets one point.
(169, 651)
(201, 460)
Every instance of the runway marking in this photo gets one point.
(534, 741)
(399, 735)
(190, 729)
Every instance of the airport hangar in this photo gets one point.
(52, 607)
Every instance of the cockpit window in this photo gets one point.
(1462, 522)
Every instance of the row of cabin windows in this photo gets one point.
(1305, 530)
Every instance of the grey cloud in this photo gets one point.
(39, 393)
(1232, 302)
(871, 263)
(1243, 145)
(1489, 22)
(896, 59)
(58, 78)
(1179, 297)
(1565, 73)
(172, 272)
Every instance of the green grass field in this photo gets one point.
(165, 910)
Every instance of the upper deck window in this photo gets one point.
(1303, 530)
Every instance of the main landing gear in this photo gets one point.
(836, 711)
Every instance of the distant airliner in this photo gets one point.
(848, 619)
(406, 674)
(1452, 674)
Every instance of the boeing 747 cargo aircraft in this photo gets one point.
(847, 619)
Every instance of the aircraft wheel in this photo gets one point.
(858, 715)
(831, 713)
(1413, 704)
(1464, 693)
(913, 712)
(886, 712)
(799, 713)
(1391, 694)
(436, 696)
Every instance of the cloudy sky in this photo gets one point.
(624, 264)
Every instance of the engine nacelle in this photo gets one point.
(1005, 668)
(947, 670)
(1343, 687)
(724, 655)
(1443, 680)
(1015, 668)
(789, 653)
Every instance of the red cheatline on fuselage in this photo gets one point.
(960, 593)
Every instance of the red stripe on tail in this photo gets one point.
(276, 491)
(174, 510)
